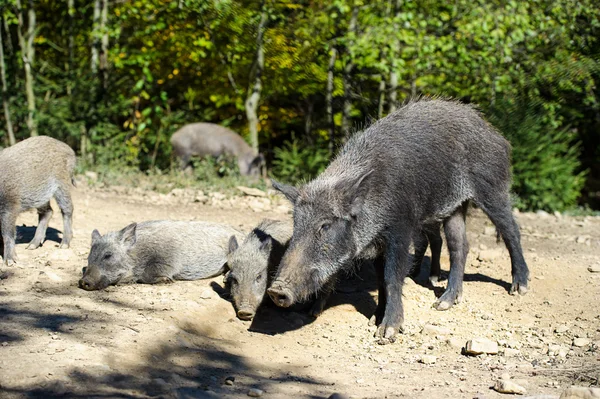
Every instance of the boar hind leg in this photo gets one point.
(499, 211)
(456, 237)
(421, 243)
(63, 198)
(44, 215)
(379, 265)
(435, 242)
(8, 220)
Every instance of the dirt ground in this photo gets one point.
(183, 340)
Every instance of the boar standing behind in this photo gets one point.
(32, 172)
(209, 139)
(157, 251)
(419, 166)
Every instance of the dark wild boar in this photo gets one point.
(419, 166)
(157, 252)
(32, 172)
(254, 263)
(209, 139)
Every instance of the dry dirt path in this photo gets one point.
(182, 340)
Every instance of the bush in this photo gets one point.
(294, 162)
(545, 158)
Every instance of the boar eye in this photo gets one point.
(233, 280)
(324, 227)
(259, 277)
(107, 256)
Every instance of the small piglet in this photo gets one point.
(157, 251)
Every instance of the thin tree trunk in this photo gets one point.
(9, 128)
(308, 119)
(394, 51)
(71, 45)
(104, 44)
(393, 91)
(329, 99)
(381, 98)
(255, 90)
(95, 61)
(28, 54)
(95, 37)
(346, 79)
(9, 47)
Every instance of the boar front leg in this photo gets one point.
(8, 219)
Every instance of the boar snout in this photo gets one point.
(245, 314)
(86, 285)
(281, 295)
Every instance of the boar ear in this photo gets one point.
(290, 192)
(128, 234)
(233, 244)
(356, 192)
(95, 235)
(266, 244)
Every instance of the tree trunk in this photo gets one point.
(329, 99)
(393, 90)
(255, 90)
(28, 54)
(381, 98)
(9, 47)
(9, 128)
(95, 36)
(346, 79)
(394, 51)
(71, 45)
(104, 44)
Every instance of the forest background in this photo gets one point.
(115, 78)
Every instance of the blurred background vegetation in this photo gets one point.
(115, 78)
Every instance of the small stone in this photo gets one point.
(581, 342)
(93, 176)
(255, 392)
(207, 293)
(561, 329)
(428, 359)
(581, 393)
(430, 329)
(4, 343)
(505, 386)
(594, 269)
(488, 255)
(483, 247)
(337, 396)
(509, 352)
(229, 380)
(542, 213)
(514, 344)
(478, 346)
(254, 192)
(581, 240)
(489, 231)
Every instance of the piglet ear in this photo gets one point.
(128, 235)
(95, 236)
(266, 244)
(356, 191)
(290, 192)
(233, 244)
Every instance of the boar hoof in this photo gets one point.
(442, 305)
(386, 334)
(433, 280)
(517, 288)
(33, 245)
(64, 245)
(373, 321)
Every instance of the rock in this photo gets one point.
(62, 254)
(542, 213)
(218, 196)
(483, 247)
(489, 231)
(561, 329)
(479, 346)
(93, 176)
(506, 386)
(488, 255)
(200, 197)
(254, 192)
(594, 268)
(430, 329)
(255, 392)
(207, 293)
(514, 344)
(581, 393)
(581, 240)
(581, 342)
(229, 380)
(49, 275)
(428, 359)
(509, 352)
(337, 396)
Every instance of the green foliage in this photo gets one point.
(545, 159)
(294, 162)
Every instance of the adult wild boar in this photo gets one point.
(32, 172)
(155, 252)
(418, 166)
(209, 139)
(253, 264)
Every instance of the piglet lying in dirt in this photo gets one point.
(157, 252)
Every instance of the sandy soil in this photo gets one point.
(183, 340)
